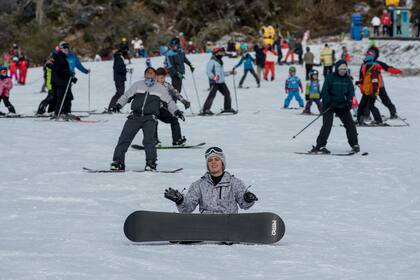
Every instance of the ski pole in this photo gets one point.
(398, 117)
(89, 92)
(236, 95)
(320, 115)
(64, 98)
(186, 95)
(131, 74)
(196, 91)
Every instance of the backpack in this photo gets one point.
(367, 85)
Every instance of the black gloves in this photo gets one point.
(249, 197)
(187, 104)
(174, 195)
(192, 68)
(180, 115)
(74, 80)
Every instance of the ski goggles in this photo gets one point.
(214, 150)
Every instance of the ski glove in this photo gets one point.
(180, 115)
(174, 195)
(74, 80)
(180, 75)
(249, 197)
(192, 68)
(187, 104)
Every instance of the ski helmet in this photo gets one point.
(64, 45)
(3, 68)
(218, 152)
(313, 73)
(292, 69)
(218, 50)
(174, 41)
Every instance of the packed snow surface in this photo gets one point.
(354, 217)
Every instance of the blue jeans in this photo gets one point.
(296, 95)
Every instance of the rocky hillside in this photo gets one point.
(93, 26)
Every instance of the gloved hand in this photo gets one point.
(187, 104)
(333, 105)
(306, 96)
(180, 75)
(180, 115)
(174, 195)
(192, 68)
(233, 72)
(357, 83)
(249, 197)
(88, 71)
(74, 80)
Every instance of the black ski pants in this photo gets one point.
(166, 117)
(49, 102)
(386, 101)
(176, 82)
(327, 122)
(120, 89)
(241, 82)
(224, 91)
(59, 94)
(308, 68)
(7, 103)
(131, 127)
(367, 104)
(328, 70)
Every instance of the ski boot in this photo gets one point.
(117, 166)
(150, 165)
(321, 150)
(158, 144)
(355, 149)
(230, 110)
(240, 86)
(206, 113)
(180, 142)
(393, 116)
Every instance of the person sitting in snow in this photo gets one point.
(217, 192)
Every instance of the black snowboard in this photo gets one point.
(90, 170)
(146, 226)
(140, 147)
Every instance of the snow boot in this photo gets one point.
(180, 142)
(117, 166)
(150, 165)
(230, 110)
(319, 150)
(206, 113)
(355, 148)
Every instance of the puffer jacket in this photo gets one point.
(5, 86)
(224, 198)
(215, 68)
(146, 100)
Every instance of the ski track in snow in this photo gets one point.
(346, 217)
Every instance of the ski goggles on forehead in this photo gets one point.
(214, 150)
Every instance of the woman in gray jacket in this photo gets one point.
(217, 192)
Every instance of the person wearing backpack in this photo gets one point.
(369, 82)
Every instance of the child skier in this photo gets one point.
(50, 98)
(13, 68)
(23, 70)
(293, 84)
(270, 61)
(313, 93)
(247, 60)
(5, 87)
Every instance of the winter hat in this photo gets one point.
(2, 68)
(339, 63)
(215, 151)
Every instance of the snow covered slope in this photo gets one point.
(346, 217)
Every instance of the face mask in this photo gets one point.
(219, 56)
(149, 82)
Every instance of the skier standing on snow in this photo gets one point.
(309, 60)
(145, 96)
(313, 93)
(120, 76)
(23, 69)
(166, 116)
(61, 77)
(217, 192)
(247, 60)
(175, 59)
(369, 82)
(270, 62)
(216, 75)
(327, 59)
(5, 87)
(259, 59)
(50, 98)
(292, 87)
(337, 93)
(383, 95)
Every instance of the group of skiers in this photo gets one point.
(59, 75)
(16, 63)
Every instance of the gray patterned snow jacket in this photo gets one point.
(224, 198)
